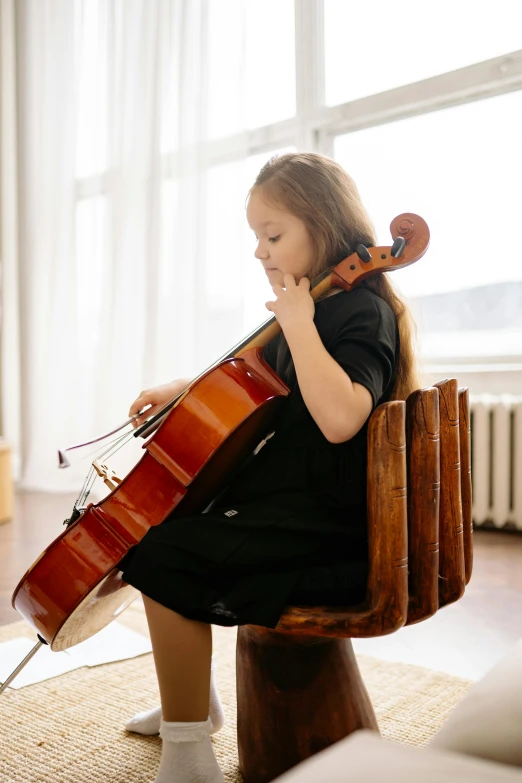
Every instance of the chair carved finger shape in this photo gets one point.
(299, 688)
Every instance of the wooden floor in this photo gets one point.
(464, 639)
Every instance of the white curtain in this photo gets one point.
(10, 387)
(112, 103)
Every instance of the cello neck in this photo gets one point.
(411, 237)
(270, 329)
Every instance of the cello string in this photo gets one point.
(119, 442)
(116, 445)
(85, 489)
(158, 416)
(112, 447)
(92, 475)
(107, 451)
(101, 451)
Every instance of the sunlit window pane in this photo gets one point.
(251, 62)
(460, 169)
(91, 63)
(168, 256)
(375, 45)
(235, 285)
(223, 267)
(174, 297)
(91, 264)
(233, 275)
(256, 289)
(179, 73)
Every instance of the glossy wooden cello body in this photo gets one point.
(75, 588)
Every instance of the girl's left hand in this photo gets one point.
(293, 305)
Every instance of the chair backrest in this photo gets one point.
(465, 478)
(419, 517)
(386, 605)
(387, 592)
(452, 574)
(423, 456)
(439, 522)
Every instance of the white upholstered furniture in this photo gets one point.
(481, 742)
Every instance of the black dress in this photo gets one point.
(291, 528)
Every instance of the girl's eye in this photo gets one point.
(273, 239)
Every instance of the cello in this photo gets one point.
(75, 587)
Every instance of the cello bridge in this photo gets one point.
(109, 477)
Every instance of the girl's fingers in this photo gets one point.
(134, 408)
(138, 421)
(139, 403)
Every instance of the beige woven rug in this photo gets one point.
(70, 729)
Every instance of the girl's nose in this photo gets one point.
(260, 253)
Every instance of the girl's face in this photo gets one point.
(283, 243)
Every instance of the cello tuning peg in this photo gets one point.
(363, 253)
(399, 243)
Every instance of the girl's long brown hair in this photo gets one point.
(318, 191)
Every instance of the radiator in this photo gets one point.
(496, 460)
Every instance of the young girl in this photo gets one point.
(290, 529)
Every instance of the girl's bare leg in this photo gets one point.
(182, 652)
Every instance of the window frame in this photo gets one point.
(315, 125)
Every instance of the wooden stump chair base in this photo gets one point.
(296, 695)
(299, 688)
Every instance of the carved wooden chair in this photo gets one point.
(299, 688)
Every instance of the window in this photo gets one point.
(236, 287)
(251, 64)
(275, 75)
(375, 46)
(460, 169)
(91, 247)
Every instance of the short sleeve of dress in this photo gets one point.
(270, 352)
(366, 342)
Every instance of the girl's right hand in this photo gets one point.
(156, 398)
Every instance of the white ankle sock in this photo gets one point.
(149, 722)
(187, 755)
